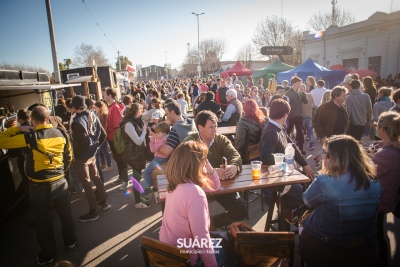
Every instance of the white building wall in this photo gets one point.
(377, 36)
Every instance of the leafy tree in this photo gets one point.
(124, 61)
(85, 54)
(61, 66)
(322, 21)
(275, 31)
(67, 63)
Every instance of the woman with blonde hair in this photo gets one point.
(387, 162)
(102, 112)
(341, 230)
(186, 215)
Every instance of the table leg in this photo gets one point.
(282, 224)
(271, 207)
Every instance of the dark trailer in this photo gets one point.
(19, 90)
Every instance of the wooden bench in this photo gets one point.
(272, 248)
(163, 254)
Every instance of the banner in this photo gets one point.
(130, 68)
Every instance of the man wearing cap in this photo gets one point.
(88, 135)
(234, 109)
(48, 157)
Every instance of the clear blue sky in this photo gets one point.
(144, 30)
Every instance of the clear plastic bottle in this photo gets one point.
(289, 159)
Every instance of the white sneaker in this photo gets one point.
(142, 205)
(123, 186)
(108, 168)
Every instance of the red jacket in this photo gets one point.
(113, 119)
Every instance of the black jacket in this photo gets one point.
(209, 105)
(275, 140)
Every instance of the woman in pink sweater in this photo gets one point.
(186, 220)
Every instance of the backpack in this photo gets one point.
(118, 139)
(67, 153)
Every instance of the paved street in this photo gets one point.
(114, 239)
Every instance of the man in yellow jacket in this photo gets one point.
(48, 156)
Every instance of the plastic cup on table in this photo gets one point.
(256, 169)
(278, 157)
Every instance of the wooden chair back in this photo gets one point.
(254, 152)
(271, 246)
(162, 254)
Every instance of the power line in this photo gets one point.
(98, 25)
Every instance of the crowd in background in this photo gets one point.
(156, 120)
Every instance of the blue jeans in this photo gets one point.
(307, 122)
(105, 154)
(45, 199)
(150, 168)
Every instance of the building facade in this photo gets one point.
(370, 44)
(151, 72)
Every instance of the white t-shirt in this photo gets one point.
(317, 94)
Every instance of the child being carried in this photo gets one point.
(157, 140)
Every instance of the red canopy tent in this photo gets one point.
(239, 69)
(339, 67)
(364, 72)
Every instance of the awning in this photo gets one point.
(37, 86)
(80, 79)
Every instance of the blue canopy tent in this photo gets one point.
(310, 68)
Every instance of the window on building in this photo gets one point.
(374, 63)
(351, 63)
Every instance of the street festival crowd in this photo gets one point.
(151, 130)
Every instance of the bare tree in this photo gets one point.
(211, 52)
(85, 54)
(190, 63)
(322, 21)
(275, 31)
(245, 55)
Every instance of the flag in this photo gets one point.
(130, 68)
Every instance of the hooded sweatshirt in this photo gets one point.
(381, 106)
(179, 131)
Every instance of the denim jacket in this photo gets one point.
(340, 214)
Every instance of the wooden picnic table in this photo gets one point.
(244, 181)
(227, 130)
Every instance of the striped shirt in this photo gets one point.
(173, 139)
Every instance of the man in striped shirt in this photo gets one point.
(181, 128)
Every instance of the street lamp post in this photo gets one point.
(198, 41)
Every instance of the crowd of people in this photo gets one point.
(151, 129)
